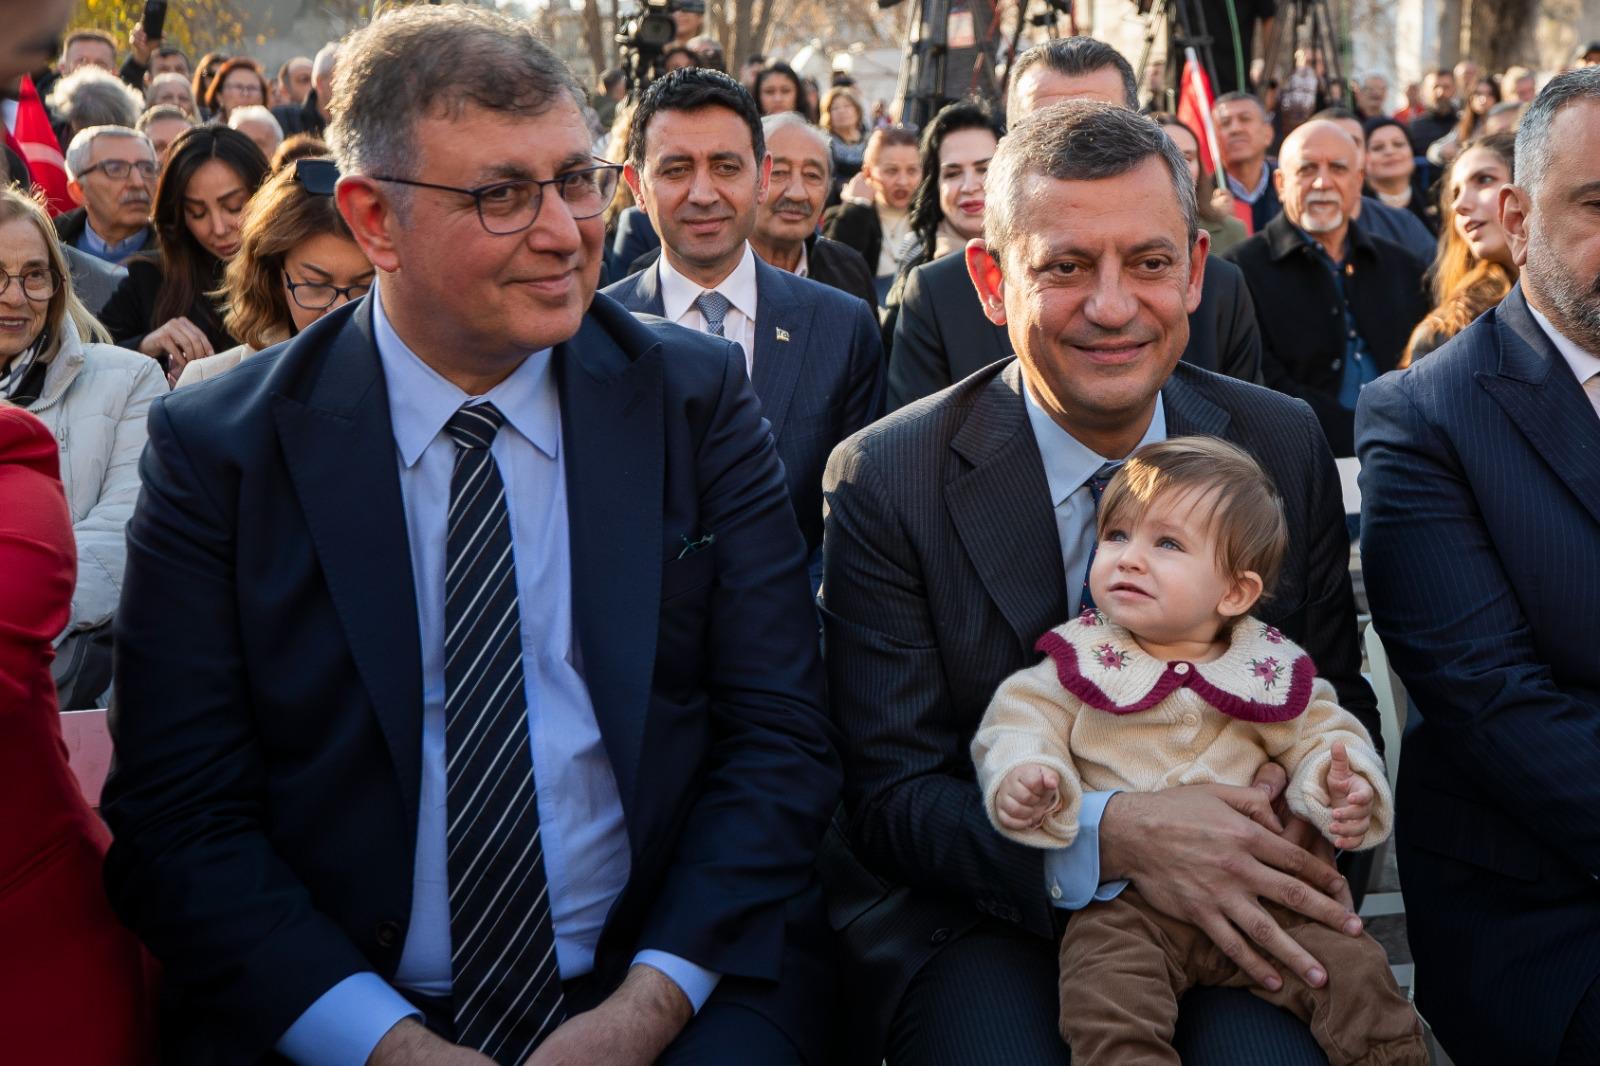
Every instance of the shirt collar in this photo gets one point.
(1585, 365)
(100, 245)
(1250, 196)
(679, 293)
(1068, 462)
(802, 269)
(421, 401)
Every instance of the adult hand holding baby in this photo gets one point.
(1028, 795)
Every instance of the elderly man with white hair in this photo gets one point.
(170, 90)
(90, 96)
(111, 172)
(258, 124)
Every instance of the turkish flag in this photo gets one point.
(1195, 101)
(35, 141)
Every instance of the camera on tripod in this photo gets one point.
(645, 36)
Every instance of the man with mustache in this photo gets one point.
(112, 175)
(1335, 304)
(1481, 545)
(698, 166)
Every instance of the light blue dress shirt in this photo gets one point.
(114, 254)
(1072, 874)
(582, 831)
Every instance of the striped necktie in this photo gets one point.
(506, 982)
(713, 308)
(1097, 485)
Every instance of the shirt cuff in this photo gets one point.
(697, 982)
(345, 1023)
(1072, 873)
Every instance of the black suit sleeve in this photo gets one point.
(1455, 630)
(192, 868)
(771, 778)
(1239, 346)
(864, 404)
(918, 363)
(126, 315)
(915, 814)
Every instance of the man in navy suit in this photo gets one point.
(469, 698)
(1480, 538)
(698, 164)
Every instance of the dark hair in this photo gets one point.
(691, 89)
(1073, 57)
(1337, 114)
(925, 211)
(1235, 97)
(202, 84)
(298, 146)
(173, 50)
(680, 49)
(214, 90)
(188, 269)
(1377, 122)
(777, 68)
(1206, 182)
(1469, 121)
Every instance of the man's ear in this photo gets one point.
(75, 191)
(635, 182)
(988, 279)
(766, 179)
(1198, 254)
(370, 216)
(1277, 182)
(1515, 207)
(1242, 595)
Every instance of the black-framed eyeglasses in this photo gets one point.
(318, 296)
(38, 283)
(319, 177)
(506, 207)
(118, 169)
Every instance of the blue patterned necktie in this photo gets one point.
(1097, 485)
(505, 978)
(713, 308)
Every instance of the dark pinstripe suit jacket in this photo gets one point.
(818, 369)
(1480, 483)
(942, 566)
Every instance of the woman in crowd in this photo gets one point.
(947, 208)
(1392, 172)
(296, 262)
(1215, 209)
(1474, 270)
(162, 307)
(239, 83)
(778, 89)
(677, 57)
(205, 72)
(94, 399)
(74, 981)
(844, 120)
(1485, 94)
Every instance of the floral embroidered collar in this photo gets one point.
(1262, 677)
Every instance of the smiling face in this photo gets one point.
(963, 163)
(1475, 182)
(1244, 132)
(212, 203)
(1389, 157)
(22, 319)
(700, 185)
(798, 188)
(1159, 575)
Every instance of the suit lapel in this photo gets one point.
(646, 297)
(783, 333)
(612, 430)
(1002, 511)
(338, 445)
(1536, 389)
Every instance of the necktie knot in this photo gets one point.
(713, 308)
(1100, 479)
(474, 427)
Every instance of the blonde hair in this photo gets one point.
(1245, 512)
(281, 215)
(64, 305)
(825, 120)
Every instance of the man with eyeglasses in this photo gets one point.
(470, 704)
(111, 173)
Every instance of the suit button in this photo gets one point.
(1337, 363)
(939, 936)
(388, 934)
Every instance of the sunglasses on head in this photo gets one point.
(319, 176)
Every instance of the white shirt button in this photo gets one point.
(1181, 668)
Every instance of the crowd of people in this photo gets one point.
(698, 572)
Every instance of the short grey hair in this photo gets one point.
(793, 120)
(1077, 140)
(254, 113)
(161, 113)
(414, 62)
(1534, 142)
(80, 152)
(322, 64)
(164, 79)
(90, 96)
(1074, 57)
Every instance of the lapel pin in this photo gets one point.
(783, 334)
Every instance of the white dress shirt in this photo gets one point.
(678, 296)
(1585, 365)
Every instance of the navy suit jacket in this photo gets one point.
(269, 680)
(1480, 539)
(818, 386)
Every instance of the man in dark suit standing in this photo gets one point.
(698, 165)
(1480, 539)
(494, 730)
(960, 529)
(942, 334)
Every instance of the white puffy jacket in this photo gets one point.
(95, 400)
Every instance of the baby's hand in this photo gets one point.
(1027, 796)
(1350, 796)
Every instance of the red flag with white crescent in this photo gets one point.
(36, 142)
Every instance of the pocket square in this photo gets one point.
(692, 546)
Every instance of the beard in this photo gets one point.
(1573, 302)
